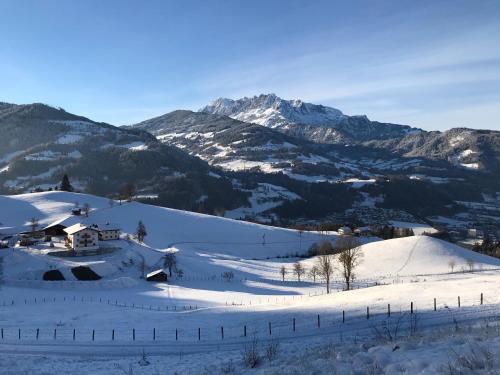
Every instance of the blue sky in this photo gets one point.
(431, 64)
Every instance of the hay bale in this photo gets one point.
(84, 273)
(53, 275)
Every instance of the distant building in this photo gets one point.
(82, 238)
(362, 232)
(345, 231)
(474, 233)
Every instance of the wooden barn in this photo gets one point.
(158, 276)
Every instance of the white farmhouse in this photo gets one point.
(107, 231)
(82, 238)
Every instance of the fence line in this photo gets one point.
(345, 321)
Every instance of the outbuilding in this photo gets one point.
(158, 276)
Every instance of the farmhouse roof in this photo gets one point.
(107, 226)
(78, 228)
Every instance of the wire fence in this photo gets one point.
(356, 322)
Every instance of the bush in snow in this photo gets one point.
(228, 368)
(250, 355)
(179, 273)
(228, 276)
(272, 350)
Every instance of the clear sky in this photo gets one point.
(432, 64)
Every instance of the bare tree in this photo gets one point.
(170, 262)
(325, 267)
(470, 263)
(283, 272)
(86, 209)
(299, 270)
(314, 272)
(128, 192)
(300, 230)
(33, 225)
(349, 258)
(452, 265)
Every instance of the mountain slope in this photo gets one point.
(466, 148)
(236, 145)
(42, 143)
(314, 122)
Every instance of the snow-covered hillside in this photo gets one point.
(122, 314)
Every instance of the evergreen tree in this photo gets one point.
(141, 231)
(65, 184)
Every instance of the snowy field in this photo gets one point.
(200, 323)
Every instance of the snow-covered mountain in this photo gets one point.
(465, 148)
(311, 121)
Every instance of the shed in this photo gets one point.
(158, 275)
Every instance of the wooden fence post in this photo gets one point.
(293, 324)
(133, 334)
(245, 331)
(19, 334)
(270, 332)
(434, 304)
(367, 312)
(93, 334)
(222, 332)
(343, 316)
(481, 298)
(199, 334)
(176, 335)
(318, 322)
(74, 334)
(154, 334)
(37, 333)
(389, 309)
(411, 308)
(458, 301)
(113, 335)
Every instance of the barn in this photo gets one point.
(158, 276)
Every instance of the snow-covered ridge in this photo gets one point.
(271, 111)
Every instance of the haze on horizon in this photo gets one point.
(429, 64)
